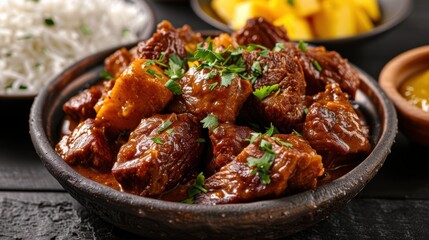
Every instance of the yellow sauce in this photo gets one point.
(416, 90)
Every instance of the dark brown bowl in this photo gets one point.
(170, 220)
(393, 12)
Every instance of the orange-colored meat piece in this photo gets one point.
(137, 94)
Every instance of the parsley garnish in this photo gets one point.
(256, 71)
(305, 111)
(279, 47)
(49, 22)
(302, 45)
(106, 75)
(210, 121)
(263, 165)
(153, 73)
(264, 91)
(227, 79)
(212, 86)
(169, 131)
(164, 126)
(317, 66)
(175, 70)
(296, 133)
(271, 130)
(279, 141)
(157, 140)
(196, 188)
(174, 87)
(85, 29)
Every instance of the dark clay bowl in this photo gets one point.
(393, 12)
(170, 220)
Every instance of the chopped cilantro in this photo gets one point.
(173, 86)
(227, 79)
(169, 131)
(157, 140)
(212, 86)
(164, 126)
(265, 91)
(106, 75)
(85, 29)
(302, 45)
(305, 111)
(317, 66)
(175, 70)
(279, 47)
(271, 130)
(262, 165)
(196, 188)
(283, 143)
(210, 121)
(49, 22)
(153, 73)
(254, 137)
(296, 133)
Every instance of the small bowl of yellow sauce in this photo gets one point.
(405, 79)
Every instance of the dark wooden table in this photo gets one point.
(394, 205)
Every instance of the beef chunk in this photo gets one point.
(87, 146)
(286, 107)
(81, 106)
(228, 141)
(168, 40)
(157, 154)
(260, 31)
(235, 182)
(334, 69)
(332, 126)
(200, 98)
(136, 94)
(118, 62)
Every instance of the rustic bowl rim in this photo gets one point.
(394, 19)
(310, 202)
(394, 69)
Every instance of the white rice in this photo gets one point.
(32, 51)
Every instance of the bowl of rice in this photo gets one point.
(40, 38)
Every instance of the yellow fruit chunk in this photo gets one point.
(297, 28)
(335, 19)
(250, 9)
(279, 8)
(306, 7)
(371, 8)
(363, 22)
(225, 8)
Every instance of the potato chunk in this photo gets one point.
(139, 92)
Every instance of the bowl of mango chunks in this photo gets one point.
(321, 22)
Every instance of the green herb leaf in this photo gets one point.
(169, 131)
(254, 137)
(266, 146)
(212, 86)
(317, 66)
(164, 126)
(302, 45)
(125, 32)
(305, 111)
(85, 29)
(279, 47)
(227, 79)
(175, 70)
(201, 140)
(271, 130)
(265, 91)
(106, 75)
(173, 86)
(262, 165)
(210, 75)
(210, 121)
(296, 133)
(157, 140)
(153, 73)
(263, 53)
(280, 142)
(49, 22)
(196, 188)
